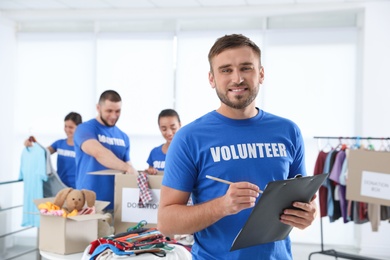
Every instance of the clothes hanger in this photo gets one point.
(357, 144)
(370, 146)
(340, 145)
(382, 147)
(326, 148)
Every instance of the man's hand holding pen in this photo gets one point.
(239, 196)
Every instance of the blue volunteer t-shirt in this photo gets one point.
(157, 158)
(113, 139)
(66, 162)
(258, 150)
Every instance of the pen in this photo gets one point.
(223, 181)
(218, 179)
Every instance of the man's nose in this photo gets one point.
(237, 78)
(114, 115)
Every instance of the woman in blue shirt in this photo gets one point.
(168, 123)
(66, 163)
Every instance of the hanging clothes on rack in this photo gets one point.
(33, 174)
(323, 191)
(339, 190)
(336, 205)
(333, 210)
(332, 196)
(40, 179)
(385, 213)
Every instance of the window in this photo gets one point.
(140, 67)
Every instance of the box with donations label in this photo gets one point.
(69, 235)
(127, 210)
(369, 177)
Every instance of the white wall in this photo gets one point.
(8, 46)
(9, 194)
(375, 105)
(376, 67)
(7, 84)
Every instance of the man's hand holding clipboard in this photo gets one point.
(285, 204)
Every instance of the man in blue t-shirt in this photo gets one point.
(237, 142)
(100, 145)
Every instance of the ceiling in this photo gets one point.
(53, 15)
(74, 5)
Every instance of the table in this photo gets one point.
(53, 256)
(179, 253)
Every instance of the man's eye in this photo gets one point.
(226, 70)
(246, 68)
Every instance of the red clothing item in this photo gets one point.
(323, 191)
(363, 208)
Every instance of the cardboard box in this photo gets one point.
(369, 177)
(68, 235)
(126, 211)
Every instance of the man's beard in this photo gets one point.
(243, 103)
(105, 122)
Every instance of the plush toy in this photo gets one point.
(104, 226)
(71, 199)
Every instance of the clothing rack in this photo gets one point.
(332, 252)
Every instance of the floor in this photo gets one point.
(303, 251)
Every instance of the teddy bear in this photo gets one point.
(70, 199)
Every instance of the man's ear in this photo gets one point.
(211, 79)
(261, 75)
(97, 107)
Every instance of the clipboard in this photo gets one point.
(263, 225)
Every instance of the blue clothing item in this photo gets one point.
(258, 150)
(66, 162)
(103, 247)
(157, 158)
(327, 184)
(113, 139)
(33, 174)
